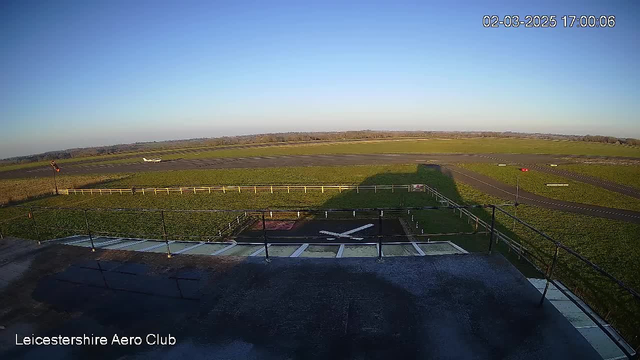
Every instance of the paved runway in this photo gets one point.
(279, 161)
(496, 188)
(478, 181)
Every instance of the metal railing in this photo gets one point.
(446, 203)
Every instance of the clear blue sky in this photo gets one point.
(83, 73)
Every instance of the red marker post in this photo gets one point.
(56, 169)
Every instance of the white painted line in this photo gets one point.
(107, 243)
(217, 252)
(415, 246)
(340, 251)
(64, 238)
(346, 234)
(77, 241)
(255, 253)
(299, 251)
(127, 245)
(357, 229)
(457, 247)
(591, 326)
(189, 248)
(338, 235)
(156, 246)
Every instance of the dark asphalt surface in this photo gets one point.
(605, 184)
(496, 188)
(433, 307)
(309, 231)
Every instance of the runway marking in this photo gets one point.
(346, 234)
(549, 202)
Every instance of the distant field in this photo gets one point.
(477, 145)
(369, 174)
(621, 174)
(535, 182)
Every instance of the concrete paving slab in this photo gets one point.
(360, 251)
(602, 343)
(399, 250)
(206, 249)
(321, 251)
(439, 249)
(282, 250)
(241, 250)
(174, 247)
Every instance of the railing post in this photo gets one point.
(380, 235)
(86, 221)
(164, 234)
(493, 223)
(264, 236)
(35, 226)
(549, 274)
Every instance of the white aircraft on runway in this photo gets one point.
(151, 160)
(346, 234)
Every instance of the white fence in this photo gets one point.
(246, 188)
(444, 201)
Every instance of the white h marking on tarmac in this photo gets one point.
(346, 234)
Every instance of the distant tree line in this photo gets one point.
(303, 137)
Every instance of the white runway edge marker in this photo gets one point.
(346, 234)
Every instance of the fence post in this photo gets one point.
(323, 189)
(357, 189)
(493, 222)
(305, 189)
(164, 234)
(288, 192)
(255, 189)
(239, 187)
(549, 274)
(35, 226)
(86, 221)
(272, 189)
(264, 235)
(380, 235)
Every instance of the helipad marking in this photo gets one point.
(346, 234)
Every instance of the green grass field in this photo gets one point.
(622, 174)
(535, 182)
(469, 146)
(12, 190)
(610, 244)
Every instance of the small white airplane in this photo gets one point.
(151, 160)
(346, 234)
